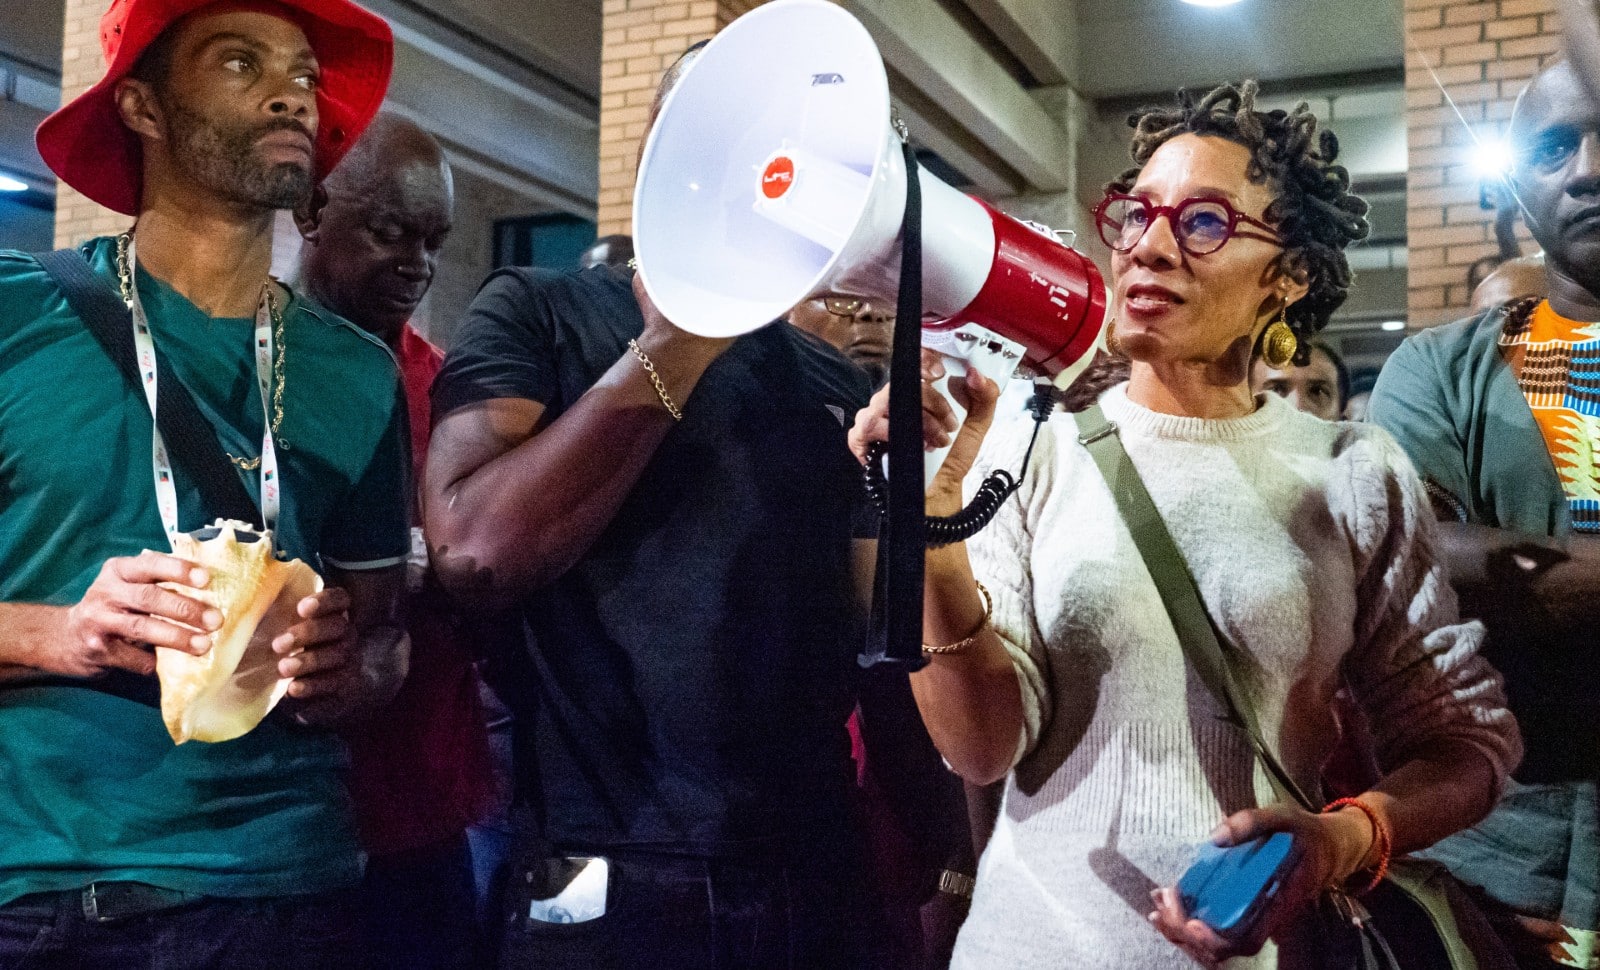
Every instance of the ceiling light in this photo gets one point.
(9, 184)
(1211, 3)
(1492, 158)
(1392, 325)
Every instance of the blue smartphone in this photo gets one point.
(1232, 889)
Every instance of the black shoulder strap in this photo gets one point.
(896, 622)
(191, 440)
(1197, 633)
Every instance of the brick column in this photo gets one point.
(77, 218)
(641, 38)
(1484, 52)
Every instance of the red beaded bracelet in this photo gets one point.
(1380, 835)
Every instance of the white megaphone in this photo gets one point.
(774, 174)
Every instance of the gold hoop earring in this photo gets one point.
(1278, 342)
(1111, 338)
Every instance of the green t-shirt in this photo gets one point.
(91, 786)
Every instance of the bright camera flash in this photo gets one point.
(9, 184)
(1492, 158)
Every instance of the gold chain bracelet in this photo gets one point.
(655, 379)
(965, 642)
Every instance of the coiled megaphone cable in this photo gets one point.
(999, 485)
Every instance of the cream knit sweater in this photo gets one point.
(1310, 543)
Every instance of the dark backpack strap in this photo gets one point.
(191, 440)
(1197, 633)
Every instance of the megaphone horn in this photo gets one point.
(774, 174)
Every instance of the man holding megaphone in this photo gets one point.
(673, 515)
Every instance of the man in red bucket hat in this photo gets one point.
(150, 384)
(89, 145)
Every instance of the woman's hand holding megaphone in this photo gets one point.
(974, 392)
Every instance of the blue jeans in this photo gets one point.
(491, 866)
(672, 913)
(49, 931)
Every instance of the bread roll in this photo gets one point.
(225, 692)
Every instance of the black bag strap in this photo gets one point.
(191, 440)
(896, 623)
(1197, 633)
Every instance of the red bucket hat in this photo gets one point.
(88, 146)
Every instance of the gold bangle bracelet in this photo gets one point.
(655, 380)
(965, 642)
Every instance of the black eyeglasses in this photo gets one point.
(1201, 226)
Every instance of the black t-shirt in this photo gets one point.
(693, 672)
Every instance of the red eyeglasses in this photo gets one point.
(1201, 226)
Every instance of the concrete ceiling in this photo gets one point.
(505, 107)
(30, 87)
(993, 85)
(30, 34)
(1139, 46)
(558, 39)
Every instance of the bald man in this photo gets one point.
(374, 229)
(1500, 414)
(420, 773)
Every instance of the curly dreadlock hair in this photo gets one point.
(1315, 211)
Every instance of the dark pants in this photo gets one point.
(492, 839)
(667, 913)
(49, 931)
(491, 868)
(417, 909)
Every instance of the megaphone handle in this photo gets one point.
(954, 369)
(932, 461)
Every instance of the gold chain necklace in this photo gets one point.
(125, 281)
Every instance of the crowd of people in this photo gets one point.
(582, 686)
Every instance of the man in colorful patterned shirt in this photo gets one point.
(1501, 413)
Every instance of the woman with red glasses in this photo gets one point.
(1052, 661)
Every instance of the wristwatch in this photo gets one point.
(956, 883)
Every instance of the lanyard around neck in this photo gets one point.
(161, 464)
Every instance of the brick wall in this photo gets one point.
(77, 218)
(641, 38)
(1484, 52)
